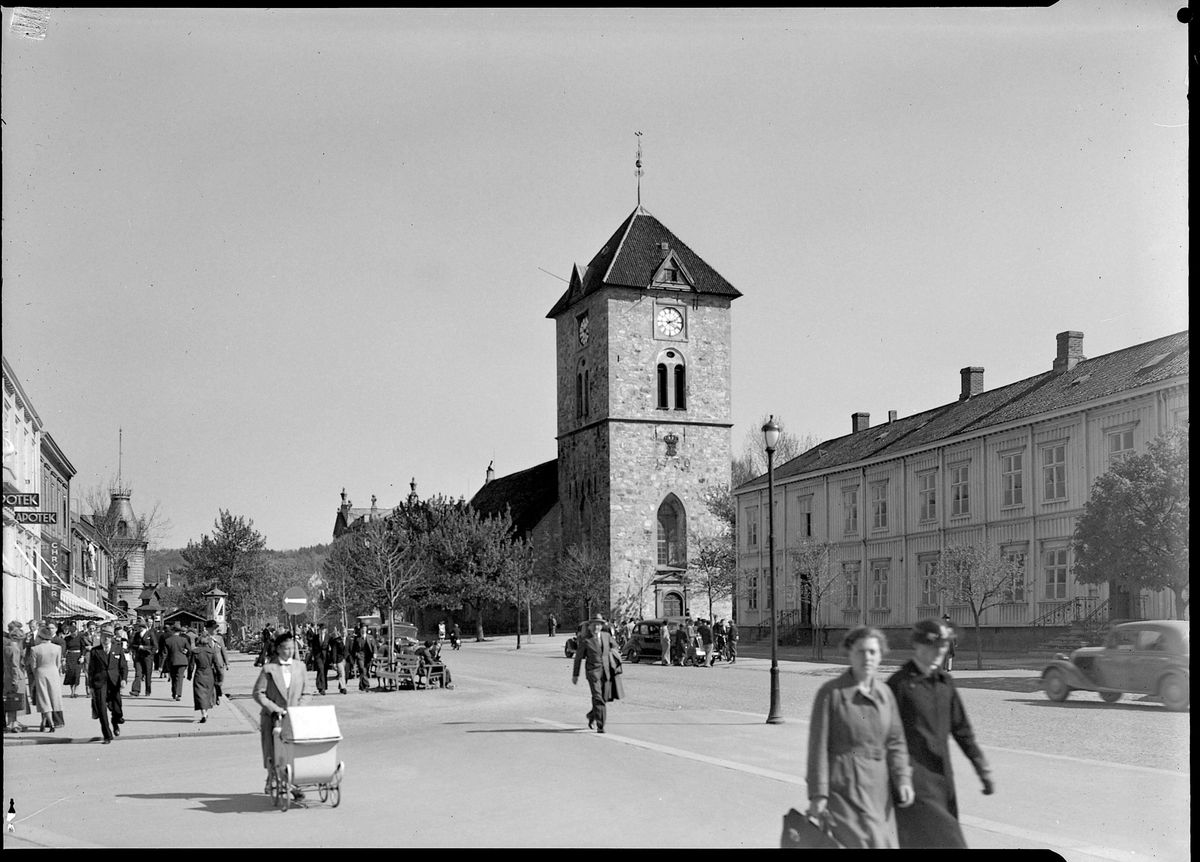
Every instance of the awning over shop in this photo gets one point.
(73, 606)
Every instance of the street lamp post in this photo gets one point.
(771, 439)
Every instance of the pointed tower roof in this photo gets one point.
(633, 256)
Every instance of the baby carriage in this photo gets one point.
(695, 653)
(306, 754)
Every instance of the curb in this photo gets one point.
(83, 740)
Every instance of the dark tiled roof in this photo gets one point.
(633, 254)
(1151, 362)
(530, 494)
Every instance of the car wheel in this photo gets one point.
(1110, 696)
(1175, 692)
(635, 657)
(1055, 684)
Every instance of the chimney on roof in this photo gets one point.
(859, 422)
(491, 474)
(972, 382)
(372, 502)
(1070, 350)
(891, 416)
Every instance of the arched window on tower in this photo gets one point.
(582, 385)
(122, 528)
(672, 380)
(672, 528)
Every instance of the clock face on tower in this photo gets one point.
(669, 321)
(583, 330)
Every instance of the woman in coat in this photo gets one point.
(76, 655)
(15, 680)
(203, 667)
(280, 684)
(857, 750)
(45, 665)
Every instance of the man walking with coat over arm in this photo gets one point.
(931, 712)
(602, 665)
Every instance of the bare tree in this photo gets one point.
(812, 565)
(583, 576)
(713, 567)
(123, 539)
(978, 576)
(752, 462)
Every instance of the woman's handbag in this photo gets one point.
(16, 702)
(800, 832)
(57, 718)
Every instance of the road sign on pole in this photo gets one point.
(295, 601)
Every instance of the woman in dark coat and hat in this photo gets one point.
(202, 670)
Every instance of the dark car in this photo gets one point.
(646, 642)
(1144, 657)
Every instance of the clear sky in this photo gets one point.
(291, 251)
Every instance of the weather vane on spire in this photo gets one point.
(638, 169)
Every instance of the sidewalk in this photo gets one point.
(964, 660)
(154, 716)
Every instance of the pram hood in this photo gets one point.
(310, 724)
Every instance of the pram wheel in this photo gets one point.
(283, 796)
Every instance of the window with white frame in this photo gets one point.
(752, 526)
(1056, 573)
(1054, 472)
(927, 495)
(960, 490)
(751, 592)
(927, 565)
(1120, 445)
(850, 573)
(880, 569)
(1012, 482)
(850, 510)
(879, 512)
(1014, 590)
(804, 516)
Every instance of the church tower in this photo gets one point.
(644, 417)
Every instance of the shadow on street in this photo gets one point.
(215, 803)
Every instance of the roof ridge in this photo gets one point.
(621, 242)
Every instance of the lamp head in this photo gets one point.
(771, 433)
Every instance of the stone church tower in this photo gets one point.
(644, 424)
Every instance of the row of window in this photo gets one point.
(1053, 469)
(670, 384)
(1055, 571)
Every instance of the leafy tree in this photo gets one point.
(712, 568)
(583, 579)
(812, 564)
(346, 597)
(1134, 527)
(630, 603)
(230, 558)
(468, 559)
(979, 577)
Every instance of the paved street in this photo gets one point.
(498, 761)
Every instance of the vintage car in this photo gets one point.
(1143, 657)
(646, 642)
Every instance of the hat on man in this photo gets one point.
(930, 632)
(598, 618)
(107, 630)
(211, 624)
(176, 627)
(16, 627)
(44, 633)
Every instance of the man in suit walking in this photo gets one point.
(107, 671)
(602, 666)
(362, 651)
(144, 647)
(319, 647)
(175, 659)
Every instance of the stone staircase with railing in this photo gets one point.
(1076, 624)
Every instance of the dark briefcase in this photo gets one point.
(802, 833)
(15, 702)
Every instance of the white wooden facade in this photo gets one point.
(1018, 485)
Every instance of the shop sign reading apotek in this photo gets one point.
(22, 501)
(35, 517)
